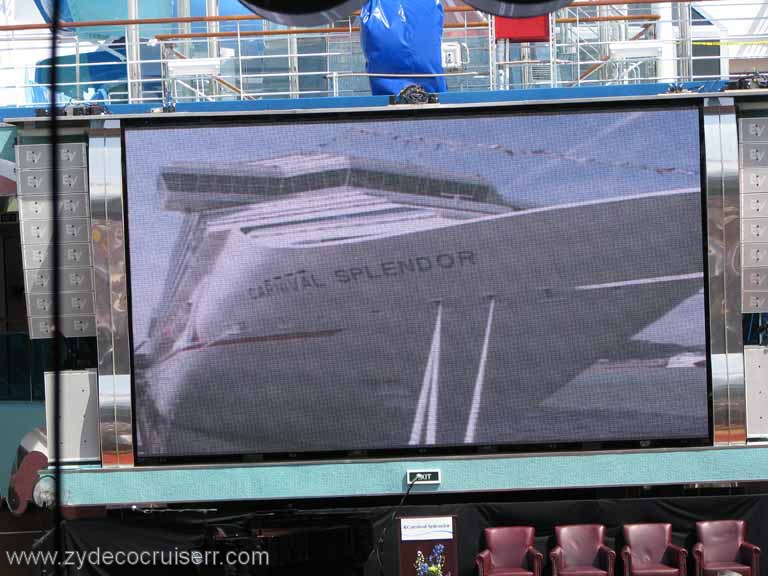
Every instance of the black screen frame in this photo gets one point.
(394, 114)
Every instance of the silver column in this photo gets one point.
(726, 339)
(108, 234)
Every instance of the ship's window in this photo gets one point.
(706, 61)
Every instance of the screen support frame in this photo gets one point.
(723, 239)
(719, 129)
(111, 293)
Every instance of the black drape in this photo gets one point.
(342, 539)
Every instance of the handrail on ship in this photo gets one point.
(348, 29)
(218, 79)
(294, 31)
(605, 59)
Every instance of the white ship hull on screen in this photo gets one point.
(344, 302)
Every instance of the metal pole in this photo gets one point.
(185, 27)
(500, 67)
(240, 63)
(493, 69)
(58, 341)
(133, 52)
(666, 33)
(166, 77)
(505, 71)
(78, 95)
(212, 9)
(335, 80)
(174, 90)
(578, 49)
(525, 56)
(552, 51)
(293, 66)
(686, 39)
(604, 38)
(328, 66)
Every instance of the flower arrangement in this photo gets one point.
(432, 566)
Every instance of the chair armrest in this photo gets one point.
(607, 558)
(535, 560)
(750, 555)
(698, 552)
(483, 561)
(626, 559)
(677, 556)
(698, 556)
(556, 559)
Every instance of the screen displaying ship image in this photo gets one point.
(387, 284)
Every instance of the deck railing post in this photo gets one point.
(133, 52)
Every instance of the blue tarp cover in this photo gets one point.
(101, 71)
(403, 37)
(46, 10)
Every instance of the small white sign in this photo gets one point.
(423, 477)
(432, 528)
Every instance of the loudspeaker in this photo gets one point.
(79, 416)
(518, 8)
(756, 380)
(292, 13)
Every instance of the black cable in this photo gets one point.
(57, 338)
(397, 508)
(753, 81)
(762, 329)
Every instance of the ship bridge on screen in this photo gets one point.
(309, 200)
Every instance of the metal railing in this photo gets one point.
(296, 62)
(633, 41)
(244, 57)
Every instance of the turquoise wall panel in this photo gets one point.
(92, 486)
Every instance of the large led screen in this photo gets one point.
(386, 283)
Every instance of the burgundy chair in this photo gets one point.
(649, 551)
(509, 552)
(721, 547)
(581, 551)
